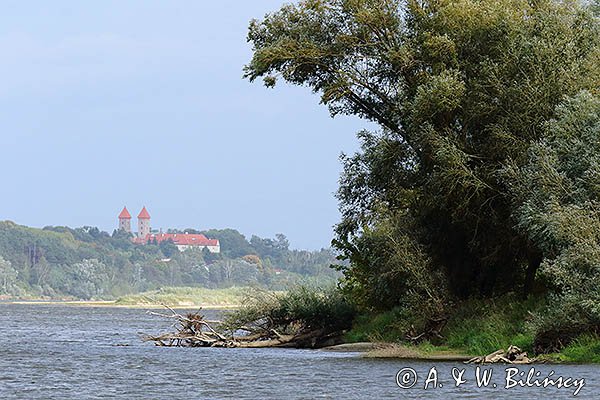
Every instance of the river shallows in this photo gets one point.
(65, 352)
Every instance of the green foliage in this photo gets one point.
(233, 243)
(168, 248)
(474, 327)
(480, 328)
(86, 263)
(557, 207)
(584, 350)
(8, 277)
(469, 187)
(388, 326)
(187, 296)
(275, 249)
(88, 279)
(389, 269)
(300, 308)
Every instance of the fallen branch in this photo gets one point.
(513, 355)
(192, 330)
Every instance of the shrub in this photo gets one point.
(300, 309)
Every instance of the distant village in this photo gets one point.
(145, 235)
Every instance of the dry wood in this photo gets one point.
(513, 355)
(192, 330)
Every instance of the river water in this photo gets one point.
(66, 352)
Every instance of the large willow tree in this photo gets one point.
(462, 90)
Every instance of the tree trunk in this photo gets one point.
(534, 260)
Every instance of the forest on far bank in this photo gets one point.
(86, 263)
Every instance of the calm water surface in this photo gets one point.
(59, 352)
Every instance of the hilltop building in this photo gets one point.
(143, 223)
(183, 241)
(125, 220)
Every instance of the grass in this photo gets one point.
(305, 307)
(188, 296)
(583, 350)
(433, 353)
(483, 327)
(474, 327)
(383, 327)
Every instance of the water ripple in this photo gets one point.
(55, 352)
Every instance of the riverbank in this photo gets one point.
(100, 352)
(174, 297)
(585, 350)
(189, 297)
(397, 351)
(570, 355)
(473, 328)
(115, 304)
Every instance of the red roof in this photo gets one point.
(180, 239)
(124, 214)
(144, 214)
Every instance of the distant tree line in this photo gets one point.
(88, 263)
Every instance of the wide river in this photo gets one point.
(66, 352)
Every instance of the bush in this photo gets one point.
(482, 327)
(557, 192)
(585, 349)
(389, 326)
(300, 309)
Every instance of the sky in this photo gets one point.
(142, 103)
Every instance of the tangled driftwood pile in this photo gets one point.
(513, 355)
(192, 330)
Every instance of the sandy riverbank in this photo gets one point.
(113, 303)
(391, 350)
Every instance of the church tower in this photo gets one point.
(125, 220)
(143, 223)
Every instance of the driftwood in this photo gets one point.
(432, 330)
(192, 330)
(513, 355)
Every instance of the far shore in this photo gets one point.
(114, 304)
(174, 297)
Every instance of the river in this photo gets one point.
(66, 352)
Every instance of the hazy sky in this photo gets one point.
(112, 103)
